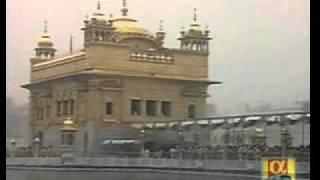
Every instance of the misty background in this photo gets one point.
(260, 48)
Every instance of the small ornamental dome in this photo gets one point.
(98, 15)
(195, 28)
(45, 41)
(258, 132)
(68, 122)
(68, 125)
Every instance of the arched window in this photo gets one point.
(191, 111)
(194, 46)
(70, 139)
(62, 139)
(97, 36)
(197, 46)
(102, 36)
(109, 108)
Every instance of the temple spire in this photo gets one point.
(195, 15)
(45, 26)
(98, 5)
(71, 44)
(161, 26)
(124, 9)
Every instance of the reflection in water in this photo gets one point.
(113, 175)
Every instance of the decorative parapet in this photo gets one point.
(152, 57)
(59, 61)
(194, 91)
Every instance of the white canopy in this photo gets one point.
(137, 126)
(252, 118)
(272, 118)
(160, 125)
(120, 141)
(234, 120)
(187, 123)
(149, 125)
(294, 116)
(173, 124)
(203, 122)
(217, 121)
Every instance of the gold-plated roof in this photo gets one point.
(128, 25)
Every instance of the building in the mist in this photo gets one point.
(123, 74)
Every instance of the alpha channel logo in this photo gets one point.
(278, 169)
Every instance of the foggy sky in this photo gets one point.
(260, 48)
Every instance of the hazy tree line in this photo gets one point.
(16, 118)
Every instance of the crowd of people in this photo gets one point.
(29, 151)
(231, 152)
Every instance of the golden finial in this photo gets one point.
(71, 43)
(124, 9)
(160, 26)
(98, 5)
(195, 14)
(45, 26)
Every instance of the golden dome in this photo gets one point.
(127, 25)
(68, 125)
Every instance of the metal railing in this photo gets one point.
(187, 154)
